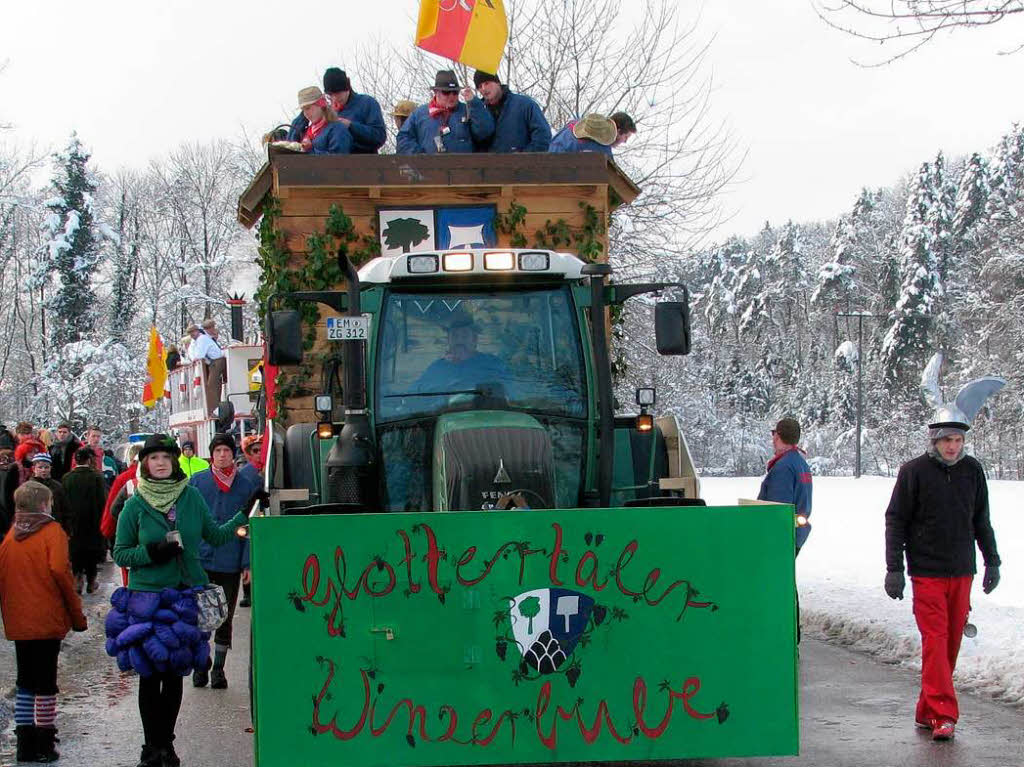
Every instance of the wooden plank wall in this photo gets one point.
(304, 211)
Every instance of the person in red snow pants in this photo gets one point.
(937, 513)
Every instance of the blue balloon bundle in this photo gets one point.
(156, 631)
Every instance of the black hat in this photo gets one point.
(484, 77)
(336, 81)
(788, 430)
(189, 444)
(446, 81)
(222, 439)
(159, 443)
(6, 440)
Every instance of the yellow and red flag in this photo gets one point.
(473, 32)
(156, 370)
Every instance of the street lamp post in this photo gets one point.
(860, 377)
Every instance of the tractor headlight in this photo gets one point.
(533, 262)
(499, 262)
(421, 264)
(458, 262)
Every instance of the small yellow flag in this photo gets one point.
(156, 370)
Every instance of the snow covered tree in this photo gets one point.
(907, 342)
(73, 250)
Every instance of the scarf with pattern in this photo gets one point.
(161, 493)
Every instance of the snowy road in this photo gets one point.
(856, 710)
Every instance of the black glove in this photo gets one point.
(894, 584)
(991, 579)
(260, 495)
(164, 551)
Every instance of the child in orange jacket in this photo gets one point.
(40, 605)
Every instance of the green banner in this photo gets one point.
(518, 637)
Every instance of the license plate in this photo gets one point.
(348, 328)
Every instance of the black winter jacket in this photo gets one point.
(936, 514)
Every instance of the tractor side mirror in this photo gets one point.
(672, 327)
(284, 337)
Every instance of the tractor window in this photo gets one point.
(441, 352)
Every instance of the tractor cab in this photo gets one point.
(483, 388)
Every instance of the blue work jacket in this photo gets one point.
(470, 127)
(789, 481)
(233, 556)
(564, 141)
(519, 125)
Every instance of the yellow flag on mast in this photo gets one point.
(156, 370)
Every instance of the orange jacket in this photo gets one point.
(37, 590)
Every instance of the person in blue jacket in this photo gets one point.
(226, 492)
(788, 479)
(592, 133)
(519, 122)
(445, 125)
(358, 112)
(324, 133)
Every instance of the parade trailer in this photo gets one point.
(470, 557)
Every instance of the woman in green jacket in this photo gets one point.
(152, 627)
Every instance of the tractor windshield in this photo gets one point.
(440, 352)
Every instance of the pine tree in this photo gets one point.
(73, 250)
(909, 338)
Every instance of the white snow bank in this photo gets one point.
(841, 569)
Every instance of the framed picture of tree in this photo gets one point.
(406, 230)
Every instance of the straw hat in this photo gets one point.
(403, 108)
(309, 95)
(596, 128)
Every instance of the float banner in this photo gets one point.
(524, 637)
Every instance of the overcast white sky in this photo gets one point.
(135, 78)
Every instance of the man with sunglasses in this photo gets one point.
(445, 124)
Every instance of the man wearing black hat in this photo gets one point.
(445, 125)
(519, 122)
(938, 511)
(359, 112)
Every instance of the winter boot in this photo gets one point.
(92, 586)
(217, 679)
(45, 752)
(170, 758)
(80, 582)
(26, 735)
(152, 756)
(200, 678)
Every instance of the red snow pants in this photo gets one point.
(940, 607)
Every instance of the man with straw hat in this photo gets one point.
(593, 133)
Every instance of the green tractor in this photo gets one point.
(479, 380)
(471, 560)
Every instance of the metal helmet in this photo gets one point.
(949, 416)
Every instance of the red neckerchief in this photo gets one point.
(340, 108)
(774, 460)
(224, 478)
(436, 110)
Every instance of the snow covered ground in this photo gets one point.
(841, 569)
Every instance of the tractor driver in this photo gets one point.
(462, 367)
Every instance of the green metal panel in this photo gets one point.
(479, 419)
(399, 639)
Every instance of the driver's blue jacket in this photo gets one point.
(444, 376)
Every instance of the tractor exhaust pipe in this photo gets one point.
(351, 463)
